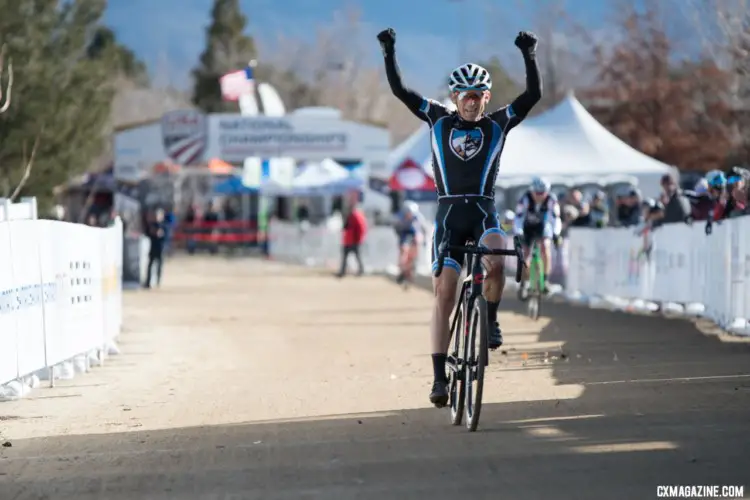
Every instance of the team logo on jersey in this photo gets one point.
(466, 144)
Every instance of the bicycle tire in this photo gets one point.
(534, 304)
(457, 388)
(475, 362)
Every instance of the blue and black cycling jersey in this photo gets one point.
(466, 155)
(407, 230)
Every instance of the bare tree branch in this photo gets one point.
(90, 198)
(8, 89)
(27, 168)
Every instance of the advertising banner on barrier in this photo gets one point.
(28, 294)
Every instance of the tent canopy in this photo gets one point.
(232, 185)
(324, 178)
(566, 141)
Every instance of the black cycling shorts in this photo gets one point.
(532, 232)
(467, 220)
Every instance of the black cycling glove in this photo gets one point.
(527, 41)
(387, 39)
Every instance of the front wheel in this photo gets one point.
(457, 386)
(534, 306)
(523, 293)
(536, 289)
(475, 356)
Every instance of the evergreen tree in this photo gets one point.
(227, 49)
(60, 94)
(104, 45)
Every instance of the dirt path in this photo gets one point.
(240, 341)
(226, 372)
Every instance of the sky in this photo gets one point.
(170, 34)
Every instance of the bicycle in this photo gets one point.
(537, 282)
(406, 276)
(466, 363)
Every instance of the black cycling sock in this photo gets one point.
(492, 311)
(438, 366)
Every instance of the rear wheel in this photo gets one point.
(476, 355)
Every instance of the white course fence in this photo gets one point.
(677, 268)
(60, 297)
(320, 246)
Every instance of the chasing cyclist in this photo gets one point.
(538, 218)
(411, 229)
(466, 147)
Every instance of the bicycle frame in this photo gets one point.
(475, 279)
(473, 282)
(536, 269)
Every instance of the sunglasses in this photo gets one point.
(470, 94)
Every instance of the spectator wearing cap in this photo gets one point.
(676, 205)
(628, 208)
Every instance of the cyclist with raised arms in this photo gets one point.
(466, 147)
(538, 218)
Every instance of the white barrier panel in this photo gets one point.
(320, 246)
(674, 264)
(8, 346)
(60, 292)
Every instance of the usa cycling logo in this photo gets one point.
(184, 134)
(466, 144)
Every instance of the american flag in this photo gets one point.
(237, 83)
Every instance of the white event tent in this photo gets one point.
(565, 142)
(317, 178)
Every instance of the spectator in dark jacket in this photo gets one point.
(737, 204)
(629, 208)
(676, 205)
(156, 232)
(598, 210)
(575, 199)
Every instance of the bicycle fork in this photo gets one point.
(536, 273)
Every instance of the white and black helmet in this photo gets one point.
(540, 185)
(470, 77)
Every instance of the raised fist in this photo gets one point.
(526, 41)
(387, 39)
